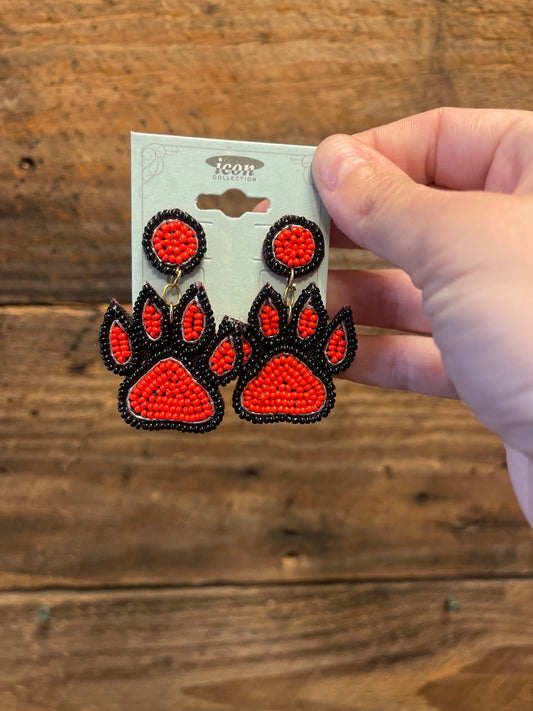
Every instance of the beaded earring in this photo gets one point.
(172, 357)
(291, 351)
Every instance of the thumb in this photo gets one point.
(375, 203)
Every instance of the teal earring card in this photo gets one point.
(194, 174)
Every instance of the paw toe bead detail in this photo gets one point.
(170, 380)
(288, 377)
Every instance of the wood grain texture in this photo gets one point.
(79, 76)
(312, 648)
(333, 548)
(390, 485)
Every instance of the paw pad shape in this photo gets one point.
(172, 370)
(288, 366)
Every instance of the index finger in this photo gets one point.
(455, 148)
(338, 239)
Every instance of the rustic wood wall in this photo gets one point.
(376, 561)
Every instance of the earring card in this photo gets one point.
(257, 183)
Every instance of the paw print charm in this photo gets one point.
(173, 367)
(288, 365)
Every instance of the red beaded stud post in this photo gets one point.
(173, 239)
(293, 243)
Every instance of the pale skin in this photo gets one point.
(447, 197)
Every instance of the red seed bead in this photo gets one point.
(336, 347)
(167, 392)
(174, 242)
(223, 358)
(193, 321)
(294, 246)
(151, 317)
(307, 322)
(286, 386)
(119, 343)
(269, 319)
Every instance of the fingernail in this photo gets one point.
(335, 157)
(521, 472)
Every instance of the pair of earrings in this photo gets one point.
(174, 359)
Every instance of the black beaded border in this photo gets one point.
(205, 380)
(115, 312)
(228, 329)
(268, 246)
(146, 353)
(195, 291)
(311, 351)
(148, 293)
(344, 316)
(153, 224)
(247, 335)
(254, 367)
(310, 295)
(267, 293)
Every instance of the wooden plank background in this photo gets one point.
(376, 561)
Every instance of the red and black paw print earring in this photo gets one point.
(291, 351)
(172, 358)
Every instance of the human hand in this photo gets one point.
(447, 196)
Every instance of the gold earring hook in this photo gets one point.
(289, 295)
(173, 286)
